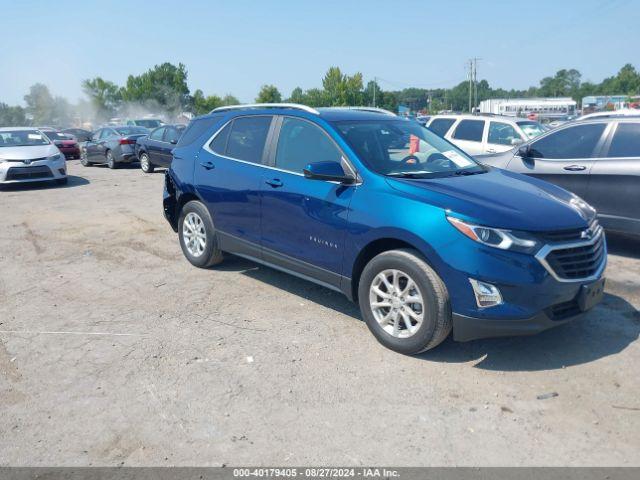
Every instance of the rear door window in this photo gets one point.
(470, 130)
(626, 141)
(573, 142)
(247, 138)
(440, 126)
(502, 134)
(157, 134)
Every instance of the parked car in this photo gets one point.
(80, 134)
(154, 150)
(597, 159)
(28, 155)
(67, 144)
(477, 134)
(146, 122)
(112, 145)
(422, 236)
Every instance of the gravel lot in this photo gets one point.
(115, 350)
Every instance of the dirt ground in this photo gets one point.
(114, 350)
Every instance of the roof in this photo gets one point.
(17, 129)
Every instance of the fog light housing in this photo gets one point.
(487, 295)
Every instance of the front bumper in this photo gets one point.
(38, 171)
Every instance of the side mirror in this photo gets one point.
(328, 171)
(516, 141)
(524, 151)
(173, 142)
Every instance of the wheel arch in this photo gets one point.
(383, 244)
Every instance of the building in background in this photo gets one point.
(540, 108)
(600, 103)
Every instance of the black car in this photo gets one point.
(80, 134)
(598, 160)
(154, 150)
(112, 145)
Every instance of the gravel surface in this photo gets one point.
(115, 350)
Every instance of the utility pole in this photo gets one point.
(375, 87)
(470, 82)
(473, 83)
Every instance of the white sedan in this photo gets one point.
(27, 155)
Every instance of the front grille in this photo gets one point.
(29, 160)
(28, 173)
(570, 235)
(577, 260)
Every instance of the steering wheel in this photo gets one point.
(436, 158)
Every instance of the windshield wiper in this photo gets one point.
(408, 174)
(468, 172)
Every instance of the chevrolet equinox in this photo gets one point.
(423, 237)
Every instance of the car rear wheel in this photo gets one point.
(145, 163)
(111, 161)
(84, 160)
(198, 236)
(404, 302)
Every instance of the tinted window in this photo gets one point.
(469, 130)
(301, 143)
(157, 134)
(626, 141)
(572, 142)
(132, 130)
(196, 129)
(219, 144)
(107, 132)
(440, 126)
(502, 134)
(247, 138)
(173, 134)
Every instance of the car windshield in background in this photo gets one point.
(22, 138)
(148, 123)
(56, 135)
(132, 131)
(532, 129)
(402, 148)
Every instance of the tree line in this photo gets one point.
(164, 89)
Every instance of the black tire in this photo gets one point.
(111, 161)
(62, 181)
(211, 254)
(145, 163)
(436, 323)
(84, 160)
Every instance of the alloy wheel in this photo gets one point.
(396, 303)
(194, 234)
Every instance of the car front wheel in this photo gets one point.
(198, 236)
(111, 161)
(404, 302)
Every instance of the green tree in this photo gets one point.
(12, 116)
(297, 96)
(269, 94)
(164, 85)
(105, 96)
(202, 104)
(40, 104)
(229, 99)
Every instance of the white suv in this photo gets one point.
(478, 134)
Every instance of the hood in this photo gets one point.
(25, 153)
(499, 199)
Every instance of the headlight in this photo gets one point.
(497, 237)
(55, 157)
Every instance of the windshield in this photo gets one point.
(22, 138)
(56, 135)
(148, 123)
(405, 148)
(131, 130)
(531, 129)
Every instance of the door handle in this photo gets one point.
(275, 183)
(575, 168)
(207, 165)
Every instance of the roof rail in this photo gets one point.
(295, 106)
(371, 109)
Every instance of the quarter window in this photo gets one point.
(440, 126)
(247, 138)
(300, 143)
(219, 144)
(470, 130)
(626, 141)
(502, 134)
(573, 142)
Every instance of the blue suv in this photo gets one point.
(422, 236)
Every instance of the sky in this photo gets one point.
(237, 46)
